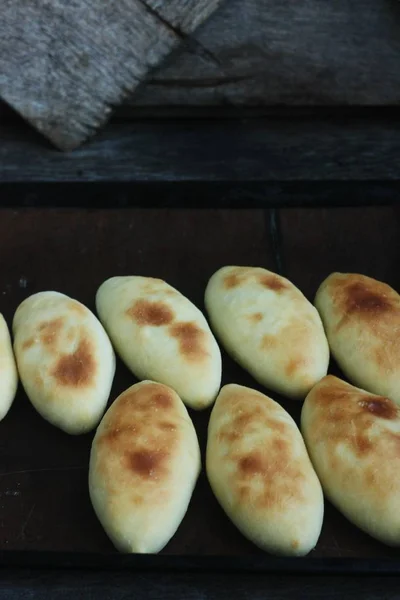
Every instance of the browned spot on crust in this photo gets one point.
(343, 415)
(38, 381)
(362, 444)
(386, 355)
(251, 464)
(255, 317)
(140, 436)
(277, 472)
(49, 331)
(268, 342)
(76, 369)
(370, 477)
(231, 281)
(244, 418)
(360, 298)
(165, 426)
(279, 445)
(273, 282)
(228, 436)
(147, 463)
(145, 312)
(292, 366)
(243, 422)
(163, 400)
(277, 426)
(267, 472)
(112, 434)
(363, 297)
(28, 344)
(295, 544)
(138, 500)
(147, 398)
(191, 340)
(244, 492)
(380, 407)
(332, 392)
(77, 307)
(283, 483)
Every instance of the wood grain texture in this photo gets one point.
(227, 151)
(306, 52)
(65, 64)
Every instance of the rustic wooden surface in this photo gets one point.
(259, 53)
(64, 65)
(310, 52)
(325, 149)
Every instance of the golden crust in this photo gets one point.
(354, 441)
(144, 463)
(65, 359)
(269, 327)
(140, 433)
(362, 319)
(237, 277)
(259, 470)
(267, 475)
(161, 336)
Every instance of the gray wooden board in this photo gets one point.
(213, 151)
(65, 63)
(289, 52)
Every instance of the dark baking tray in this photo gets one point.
(46, 519)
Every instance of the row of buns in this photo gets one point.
(269, 476)
(145, 457)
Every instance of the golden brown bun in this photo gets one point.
(260, 472)
(162, 336)
(65, 360)
(361, 317)
(353, 438)
(144, 464)
(269, 328)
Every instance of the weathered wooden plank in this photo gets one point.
(302, 53)
(261, 54)
(288, 53)
(65, 64)
(256, 150)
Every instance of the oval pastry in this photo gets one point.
(8, 370)
(361, 317)
(65, 360)
(162, 336)
(144, 464)
(269, 328)
(353, 438)
(260, 472)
